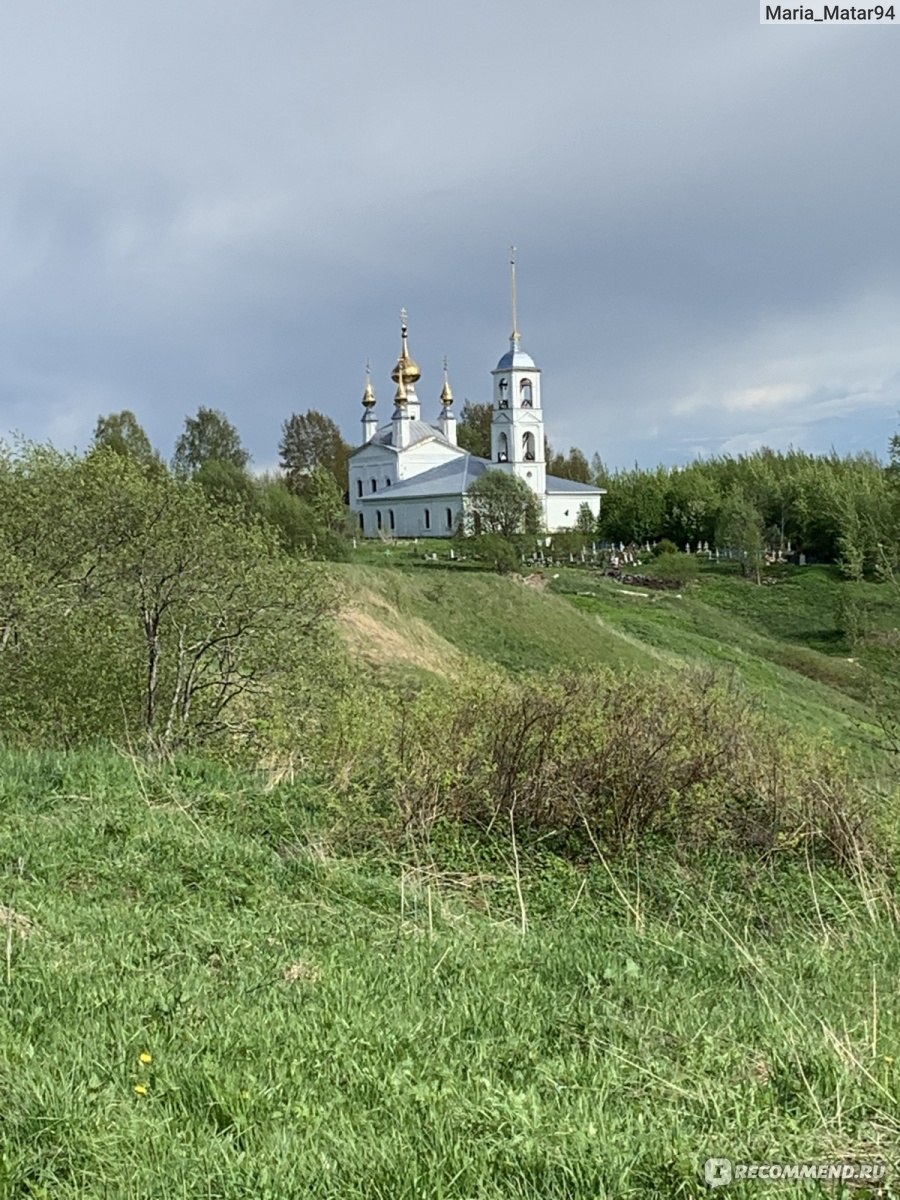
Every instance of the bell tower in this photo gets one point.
(517, 422)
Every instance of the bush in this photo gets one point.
(606, 762)
(683, 567)
(850, 617)
(496, 552)
(664, 547)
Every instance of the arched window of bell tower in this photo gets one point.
(528, 446)
(525, 394)
(502, 448)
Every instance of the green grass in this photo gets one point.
(492, 618)
(329, 1018)
(780, 639)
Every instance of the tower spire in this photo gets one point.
(406, 365)
(446, 393)
(369, 394)
(515, 336)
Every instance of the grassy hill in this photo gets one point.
(780, 639)
(434, 618)
(225, 983)
(209, 990)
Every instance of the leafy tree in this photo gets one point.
(635, 509)
(574, 466)
(473, 430)
(291, 517)
(131, 605)
(585, 522)
(311, 525)
(208, 437)
(226, 483)
(310, 440)
(740, 528)
(123, 434)
(850, 618)
(325, 498)
(503, 503)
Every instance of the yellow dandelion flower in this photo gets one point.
(888, 1058)
(141, 1089)
(146, 1058)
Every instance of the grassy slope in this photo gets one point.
(780, 639)
(478, 615)
(322, 1026)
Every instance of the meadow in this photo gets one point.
(217, 987)
(265, 978)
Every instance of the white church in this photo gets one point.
(409, 478)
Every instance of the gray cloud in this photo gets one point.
(226, 205)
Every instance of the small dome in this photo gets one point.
(369, 394)
(446, 393)
(406, 367)
(516, 358)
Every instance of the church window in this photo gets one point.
(373, 485)
(528, 446)
(378, 522)
(359, 489)
(362, 524)
(449, 518)
(427, 518)
(391, 518)
(503, 402)
(525, 393)
(387, 483)
(502, 448)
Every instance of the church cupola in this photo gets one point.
(400, 432)
(517, 423)
(407, 371)
(369, 420)
(447, 419)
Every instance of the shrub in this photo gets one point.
(683, 567)
(850, 616)
(494, 551)
(608, 761)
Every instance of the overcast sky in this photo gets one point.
(223, 203)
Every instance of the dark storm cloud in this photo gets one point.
(226, 205)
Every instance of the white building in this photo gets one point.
(409, 478)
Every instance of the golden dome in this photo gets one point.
(406, 366)
(400, 394)
(369, 394)
(446, 393)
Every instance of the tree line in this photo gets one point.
(843, 509)
(305, 504)
(832, 508)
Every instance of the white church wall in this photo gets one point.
(436, 517)
(424, 455)
(373, 465)
(561, 509)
